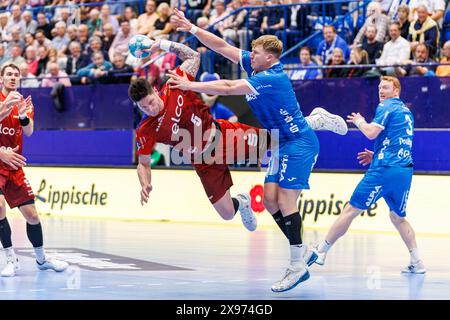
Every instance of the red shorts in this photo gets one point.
(15, 187)
(239, 142)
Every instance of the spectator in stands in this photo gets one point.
(94, 23)
(305, 61)
(28, 80)
(130, 15)
(273, 19)
(16, 39)
(252, 32)
(42, 40)
(120, 43)
(55, 75)
(64, 16)
(162, 25)
(96, 71)
(120, 72)
(83, 37)
(435, 9)
(107, 37)
(61, 41)
(385, 5)
(5, 35)
(424, 30)
(395, 51)
(15, 20)
(444, 70)
(95, 45)
(16, 55)
(330, 42)
(29, 25)
(218, 14)
(30, 41)
(403, 20)
(371, 45)
(218, 110)
(374, 17)
(53, 56)
(3, 56)
(197, 8)
(146, 21)
(337, 59)
(76, 60)
(234, 24)
(43, 60)
(44, 24)
(358, 56)
(421, 55)
(72, 33)
(107, 18)
(31, 59)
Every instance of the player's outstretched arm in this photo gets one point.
(145, 177)
(190, 58)
(218, 87)
(370, 130)
(209, 39)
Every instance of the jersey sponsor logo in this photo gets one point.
(386, 143)
(160, 120)
(6, 131)
(288, 119)
(402, 153)
(284, 164)
(263, 86)
(406, 141)
(250, 97)
(291, 179)
(178, 113)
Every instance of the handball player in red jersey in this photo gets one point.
(16, 119)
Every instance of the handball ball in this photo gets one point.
(137, 43)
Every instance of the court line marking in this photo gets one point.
(37, 290)
(96, 287)
(8, 291)
(126, 285)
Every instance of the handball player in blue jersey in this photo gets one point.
(390, 172)
(295, 146)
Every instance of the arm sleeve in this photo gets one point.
(381, 116)
(144, 143)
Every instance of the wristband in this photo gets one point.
(24, 122)
(165, 45)
(359, 122)
(22, 116)
(194, 29)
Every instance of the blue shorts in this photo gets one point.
(291, 166)
(390, 183)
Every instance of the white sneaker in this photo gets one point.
(247, 215)
(12, 265)
(330, 122)
(321, 256)
(52, 264)
(416, 268)
(291, 279)
(310, 256)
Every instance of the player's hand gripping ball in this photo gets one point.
(137, 44)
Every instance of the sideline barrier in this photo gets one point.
(179, 196)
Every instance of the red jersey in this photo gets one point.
(11, 134)
(184, 116)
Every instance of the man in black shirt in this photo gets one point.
(373, 47)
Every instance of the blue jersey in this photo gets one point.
(219, 111)
(393, 145)
(273, 100)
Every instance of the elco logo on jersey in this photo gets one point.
(9, 131)
(178, 112)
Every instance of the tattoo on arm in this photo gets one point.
(191, 58)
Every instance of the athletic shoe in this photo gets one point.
(291, 279)
(247, 215)
(330, 122)
(12, 265)
(52, 264)
(415, 268)
(310, 256)
(321, 256)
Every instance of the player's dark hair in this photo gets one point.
(9, 66)
(139, 89)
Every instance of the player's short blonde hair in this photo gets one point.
(394, 81)
(270, 44)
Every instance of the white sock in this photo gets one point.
(40, 254)
(414, 255)
(324, 246)
(9, 252)
(314, 121)
(297, 252)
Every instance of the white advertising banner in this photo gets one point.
(179, 196)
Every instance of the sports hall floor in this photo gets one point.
(182, 261)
